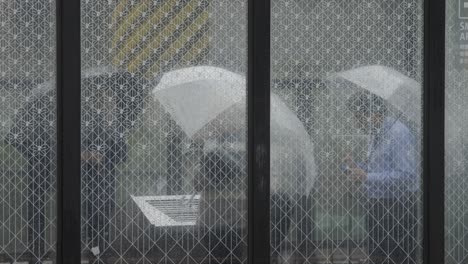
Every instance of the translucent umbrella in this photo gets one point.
(397, 89)
(196, 95)
(33, 126)
(209, 102)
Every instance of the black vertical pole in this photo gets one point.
(434, 113)
(259, 131)
(68, 132)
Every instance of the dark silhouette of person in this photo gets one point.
(110, 107)
(222, 218)
(32, 133)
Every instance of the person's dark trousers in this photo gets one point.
(285, 210)
(99, 206)
(226, 245)
(39, 195)
(392, 230)
(304, 236)
(99, 190)
(280, 213)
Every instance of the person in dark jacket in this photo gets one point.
(111, 103)
(103, 149)
(32, 134)
(222, 185)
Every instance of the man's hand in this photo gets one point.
(92, 156)
(358, 174)
(352, 170)
(349, 160)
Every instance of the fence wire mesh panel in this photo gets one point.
(346, 178)
(27, 131)
(164, 164)
(456, 137)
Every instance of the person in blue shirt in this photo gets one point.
(390, 177)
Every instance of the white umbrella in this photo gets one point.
(397, 89)
(196, 95)
(208, 101)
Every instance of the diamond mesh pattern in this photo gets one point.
(134, 146)
(27, 131)
(339, 221)
(456, 143)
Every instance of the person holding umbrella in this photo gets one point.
(387, 106)
(209, 104)
(32, 133)
(221, 184)
(102, 151)
(390, 177)
(111, 103)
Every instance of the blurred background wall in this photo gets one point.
(456, 143)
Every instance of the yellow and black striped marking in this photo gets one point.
(153, 36)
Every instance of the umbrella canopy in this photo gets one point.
(398, 90)
(33, 126)
(209, 102)
(187, 95)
